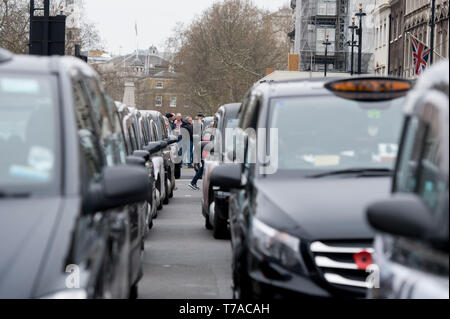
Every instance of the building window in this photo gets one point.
(159, 101)
(159, 85)
(173, 101)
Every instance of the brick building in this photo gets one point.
(159, 92)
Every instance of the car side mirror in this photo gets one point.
(153, 147)
(403, 215)
(136, 161)
(171, 141)
(122, 185)
(142, 154)
(227, 176)
(163, 144)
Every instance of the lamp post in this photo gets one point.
(326, 44)
(353, 27)
(360, 15)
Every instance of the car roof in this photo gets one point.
(44, 64)
(292, 88)
(232, 107)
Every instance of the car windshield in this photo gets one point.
(329, 133)
(28, 135)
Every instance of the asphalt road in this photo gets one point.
(182, 259)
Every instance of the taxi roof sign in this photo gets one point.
(370, 89)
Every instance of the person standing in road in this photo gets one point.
(198, 175)
(171, 117)
(178, 122)
(188, 125)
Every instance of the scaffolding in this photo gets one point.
(317, 19)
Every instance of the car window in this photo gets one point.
(154, 131)
(405, 180)
(163, 127)
(87, 133)
(104, 119)
(323, 133)
(29, 131)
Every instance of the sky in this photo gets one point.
(156, 19)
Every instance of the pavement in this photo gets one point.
(182, 259)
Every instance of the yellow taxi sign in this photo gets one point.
(370, 89)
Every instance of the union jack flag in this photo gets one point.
(421, 55)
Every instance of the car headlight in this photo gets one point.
(277, 246)
(68, 294)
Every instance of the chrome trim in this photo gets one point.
(319, 247)
(326, 262)
(339, 280)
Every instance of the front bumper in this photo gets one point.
(270, 280)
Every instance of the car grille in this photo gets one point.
(336, 263)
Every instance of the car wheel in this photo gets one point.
(158, 195)
(154, 208)
(150, 225)
(242, 288)
(208, 224)
(166, 198)
(171, 191)
(177, 171)
(220, 230)
(134, 292)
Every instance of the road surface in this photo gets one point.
(182, 259)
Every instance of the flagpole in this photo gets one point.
(426, 45)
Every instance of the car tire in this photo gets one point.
(242, 287)
(160, 206)
(171, 191)
(208, 225)
(166, 197)
(220, 229)
(134, 292)
(177, 171)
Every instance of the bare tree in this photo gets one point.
(224, 52)
(113, 82)
(14, 25)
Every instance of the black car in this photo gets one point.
(215, 201)
(412, 242)
(169, 166)
(64, 185)
(297, 209)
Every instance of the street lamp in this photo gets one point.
(353, 43)
(326, 44)
(360, 15)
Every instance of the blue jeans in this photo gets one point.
(198, 175)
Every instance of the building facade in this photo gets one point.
(381, 16)
(148, 79)
(396, 55)
(418, 25)
(159, 92)
(73, 10)
(315, 20)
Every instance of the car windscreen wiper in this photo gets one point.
(4, 194)
(360, 172)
